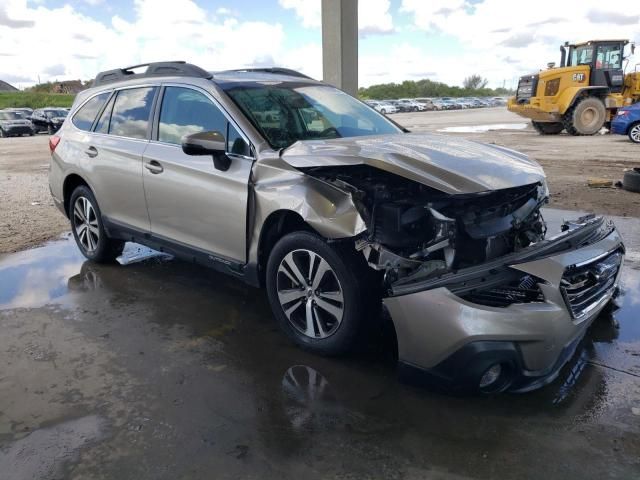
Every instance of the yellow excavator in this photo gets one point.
(583, 93)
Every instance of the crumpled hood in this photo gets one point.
(449, 164)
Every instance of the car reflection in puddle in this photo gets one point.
(52, 274)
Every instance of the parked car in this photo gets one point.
(438, 104)
(400, 107)
(338, 214)
(25, 112)
(383, 107)
(627, 122)
(48, 119)
(412, 105)
(14, 124)
(428, 103)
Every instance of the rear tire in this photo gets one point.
(634, 133)
(585, 117)
(547, 128)
(320, 294)
(88, 228)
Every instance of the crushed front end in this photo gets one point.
(480, 298)
(510, 324)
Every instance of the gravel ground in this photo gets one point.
(28, 217)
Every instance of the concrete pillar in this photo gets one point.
(340, 44)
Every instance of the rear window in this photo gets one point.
(130, 116)
(83, 119)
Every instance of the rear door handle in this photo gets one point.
(91, 152)
(154, 167)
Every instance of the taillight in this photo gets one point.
(54, 140)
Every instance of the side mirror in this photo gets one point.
(208, 143)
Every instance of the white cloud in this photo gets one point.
(492, 38)
(61, 43)
(374, 16)
(511, 40)
(307, 10)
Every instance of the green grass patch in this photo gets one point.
(35, 99)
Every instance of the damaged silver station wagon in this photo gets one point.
(340, 213)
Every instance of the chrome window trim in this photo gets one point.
(112, 91)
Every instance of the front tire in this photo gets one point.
(319, 293)
(634, 133)
(586, 117)
(88, 228)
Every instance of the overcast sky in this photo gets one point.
(442, 40)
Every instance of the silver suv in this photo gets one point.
(289, 183)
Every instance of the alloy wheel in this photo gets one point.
(634, 133)
(310, 294)
(85, 224)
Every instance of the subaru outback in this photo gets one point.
(341, 214)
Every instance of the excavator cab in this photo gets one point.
(604, 58)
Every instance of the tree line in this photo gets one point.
(474, 86)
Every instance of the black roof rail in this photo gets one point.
(156, 69)
(276, 70)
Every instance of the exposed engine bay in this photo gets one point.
(414, 231)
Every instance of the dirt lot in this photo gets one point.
(28, 217)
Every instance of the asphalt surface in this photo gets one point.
(164, 370)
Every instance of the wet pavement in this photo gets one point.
(165, 370)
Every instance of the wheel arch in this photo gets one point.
(571, 96)
(278, 224)
(71, 182)
(631, 125)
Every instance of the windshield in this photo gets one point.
(10, 116)
(287, 112)
(56, 113)
(581, 55)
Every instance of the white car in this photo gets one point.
(383, 107)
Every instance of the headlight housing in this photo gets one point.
(551, 88)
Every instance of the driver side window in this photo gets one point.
(185, 111)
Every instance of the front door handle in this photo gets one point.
(154, 167)
(91, 152)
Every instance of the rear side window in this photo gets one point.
(185, 111)
(130, 116)
(83, 119)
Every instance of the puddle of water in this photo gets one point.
(36, 277)
(41, 454)
(44, 275)
(484, 128)
(33, 278)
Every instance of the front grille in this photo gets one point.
(583, 286)
(522, 290)
(527, 87)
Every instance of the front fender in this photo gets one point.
(276, 186)
(571, 94)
